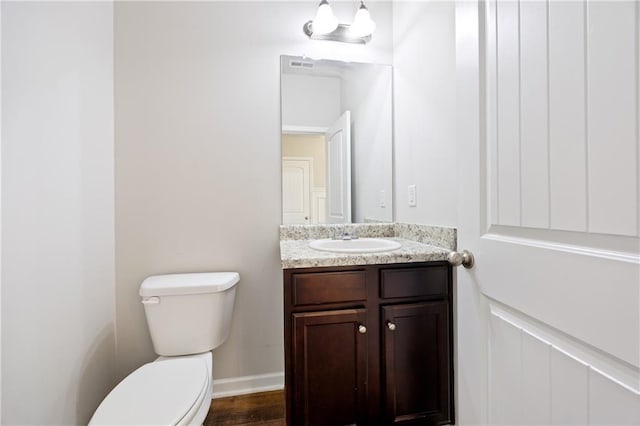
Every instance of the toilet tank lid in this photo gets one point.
(192, 283)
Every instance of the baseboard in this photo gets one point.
(247, 384)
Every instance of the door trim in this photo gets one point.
(303, 130)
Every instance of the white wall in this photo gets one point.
(424, 111)
(198, 157)
(367, 93)
(310, 100)
(58, 345)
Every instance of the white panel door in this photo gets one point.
(339, 170)
(296, 190)
(319, 205)
(548, 320)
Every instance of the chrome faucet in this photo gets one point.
(346, 235)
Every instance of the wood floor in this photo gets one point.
(266, 408)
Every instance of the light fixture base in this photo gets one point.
(339, 34)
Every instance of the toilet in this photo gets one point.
(188, 316)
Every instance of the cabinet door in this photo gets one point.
(329, 367)
(416, 363)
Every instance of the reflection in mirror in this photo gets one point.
(337, 143)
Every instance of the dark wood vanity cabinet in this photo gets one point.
(330, 367)
(416, 366)
(369, 345)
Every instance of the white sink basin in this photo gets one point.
(360, 245)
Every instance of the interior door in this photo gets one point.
(339, 170)
(296, 190)
(548, 318)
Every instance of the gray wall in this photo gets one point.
(367, 93)
(198, 157)
(197, 169)
(424, 105)
(310, 100)
(58, 345)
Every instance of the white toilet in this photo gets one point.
(188, 316)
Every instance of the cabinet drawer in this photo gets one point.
(413, 282)
(328, 287)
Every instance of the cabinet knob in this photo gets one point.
(362, 329)
(391, 326)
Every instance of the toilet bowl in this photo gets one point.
(163, 392)
(188, 315)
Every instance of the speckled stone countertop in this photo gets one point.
(419, 245)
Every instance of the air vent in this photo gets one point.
(300, 64)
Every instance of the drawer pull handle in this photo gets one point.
(362, 329)
(391, 326)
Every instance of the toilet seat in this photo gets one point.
(169, 392)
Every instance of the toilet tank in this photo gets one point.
(189, 313)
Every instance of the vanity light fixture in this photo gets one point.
(325, 21)
(362, 24)
(325, 26)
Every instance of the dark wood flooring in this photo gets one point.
(265, 408)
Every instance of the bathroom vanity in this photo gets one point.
(368, 337)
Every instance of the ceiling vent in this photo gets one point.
(301, 64)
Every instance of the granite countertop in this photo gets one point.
(298, 254)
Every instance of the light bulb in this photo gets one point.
(362, 24)
(324, 21)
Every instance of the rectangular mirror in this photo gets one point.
(337, 141)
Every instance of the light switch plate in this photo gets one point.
(382, 203)
(412, 196)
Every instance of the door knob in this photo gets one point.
(465, 259)
(391, 326)
(362, 329)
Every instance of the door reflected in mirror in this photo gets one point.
(337, 142)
